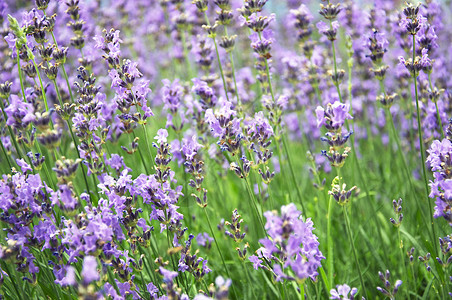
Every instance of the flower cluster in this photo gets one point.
(333, 119)
(439, 161)
(290, 245)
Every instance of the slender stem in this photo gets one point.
(402, 257)
(421, 145)
(219, 60)
(6, 154)
(217, 246)
(141, 156)
(187, 60)
(349, 233)
(302, 297)
(147, 143)
(330, 258)
(440, 122)
(253, 199)
(231, 58)
(248, 277)
(69, 125)
(12, 136)
(293, 174)
(405, 165)
(14, 282)
(19, 71)
(43, 92)
(267, 69)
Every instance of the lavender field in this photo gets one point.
(225, 149)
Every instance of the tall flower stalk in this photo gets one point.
(412, 25)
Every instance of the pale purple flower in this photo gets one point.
(161, 136)
(291, 241)
(334, 116)
(167, 275)
(89, 270)
(343, 292)
(23, 165)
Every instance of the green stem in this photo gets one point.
(16, 146)
(43, 92)
(147, 143)
(219, 60)
(405, 165)
(217, 246)
(440, 123)
(252, 199)
(330, 258)
(69, 125)
(141, 155)
(421, 145)
(293, 174)
(302, 291)
(187, 60)
(231, 58)
(349, 233)
(402, 257)
(6, 156)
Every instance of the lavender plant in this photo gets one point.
(130, 130)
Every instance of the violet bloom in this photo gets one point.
(225, 127)
(325, 29)
(441, 186)
(161, 136)
(204, 240)
(23, 165)
(19, 113)
(69, 279)
(172, 93)
(205, 93)
(334, 116)
(343, 292)
(89, 270)
(389, 290)
(292, 243)
(167, 275)
(191, 262)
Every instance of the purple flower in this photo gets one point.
(441, 187)
(190, 147)
(220, 120)
(69, 279)
(324, 28)
(89, 270)
(161, 136)
(344, 292)
(205, 92)
(425, 61)
(334, 116)
(172, 94)
(23, 165)
(204, 240)
(152, 289)
(257, 263)
(19, 113)
(11, 41)
(259, 125)
(292, 242)
(168, 276)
